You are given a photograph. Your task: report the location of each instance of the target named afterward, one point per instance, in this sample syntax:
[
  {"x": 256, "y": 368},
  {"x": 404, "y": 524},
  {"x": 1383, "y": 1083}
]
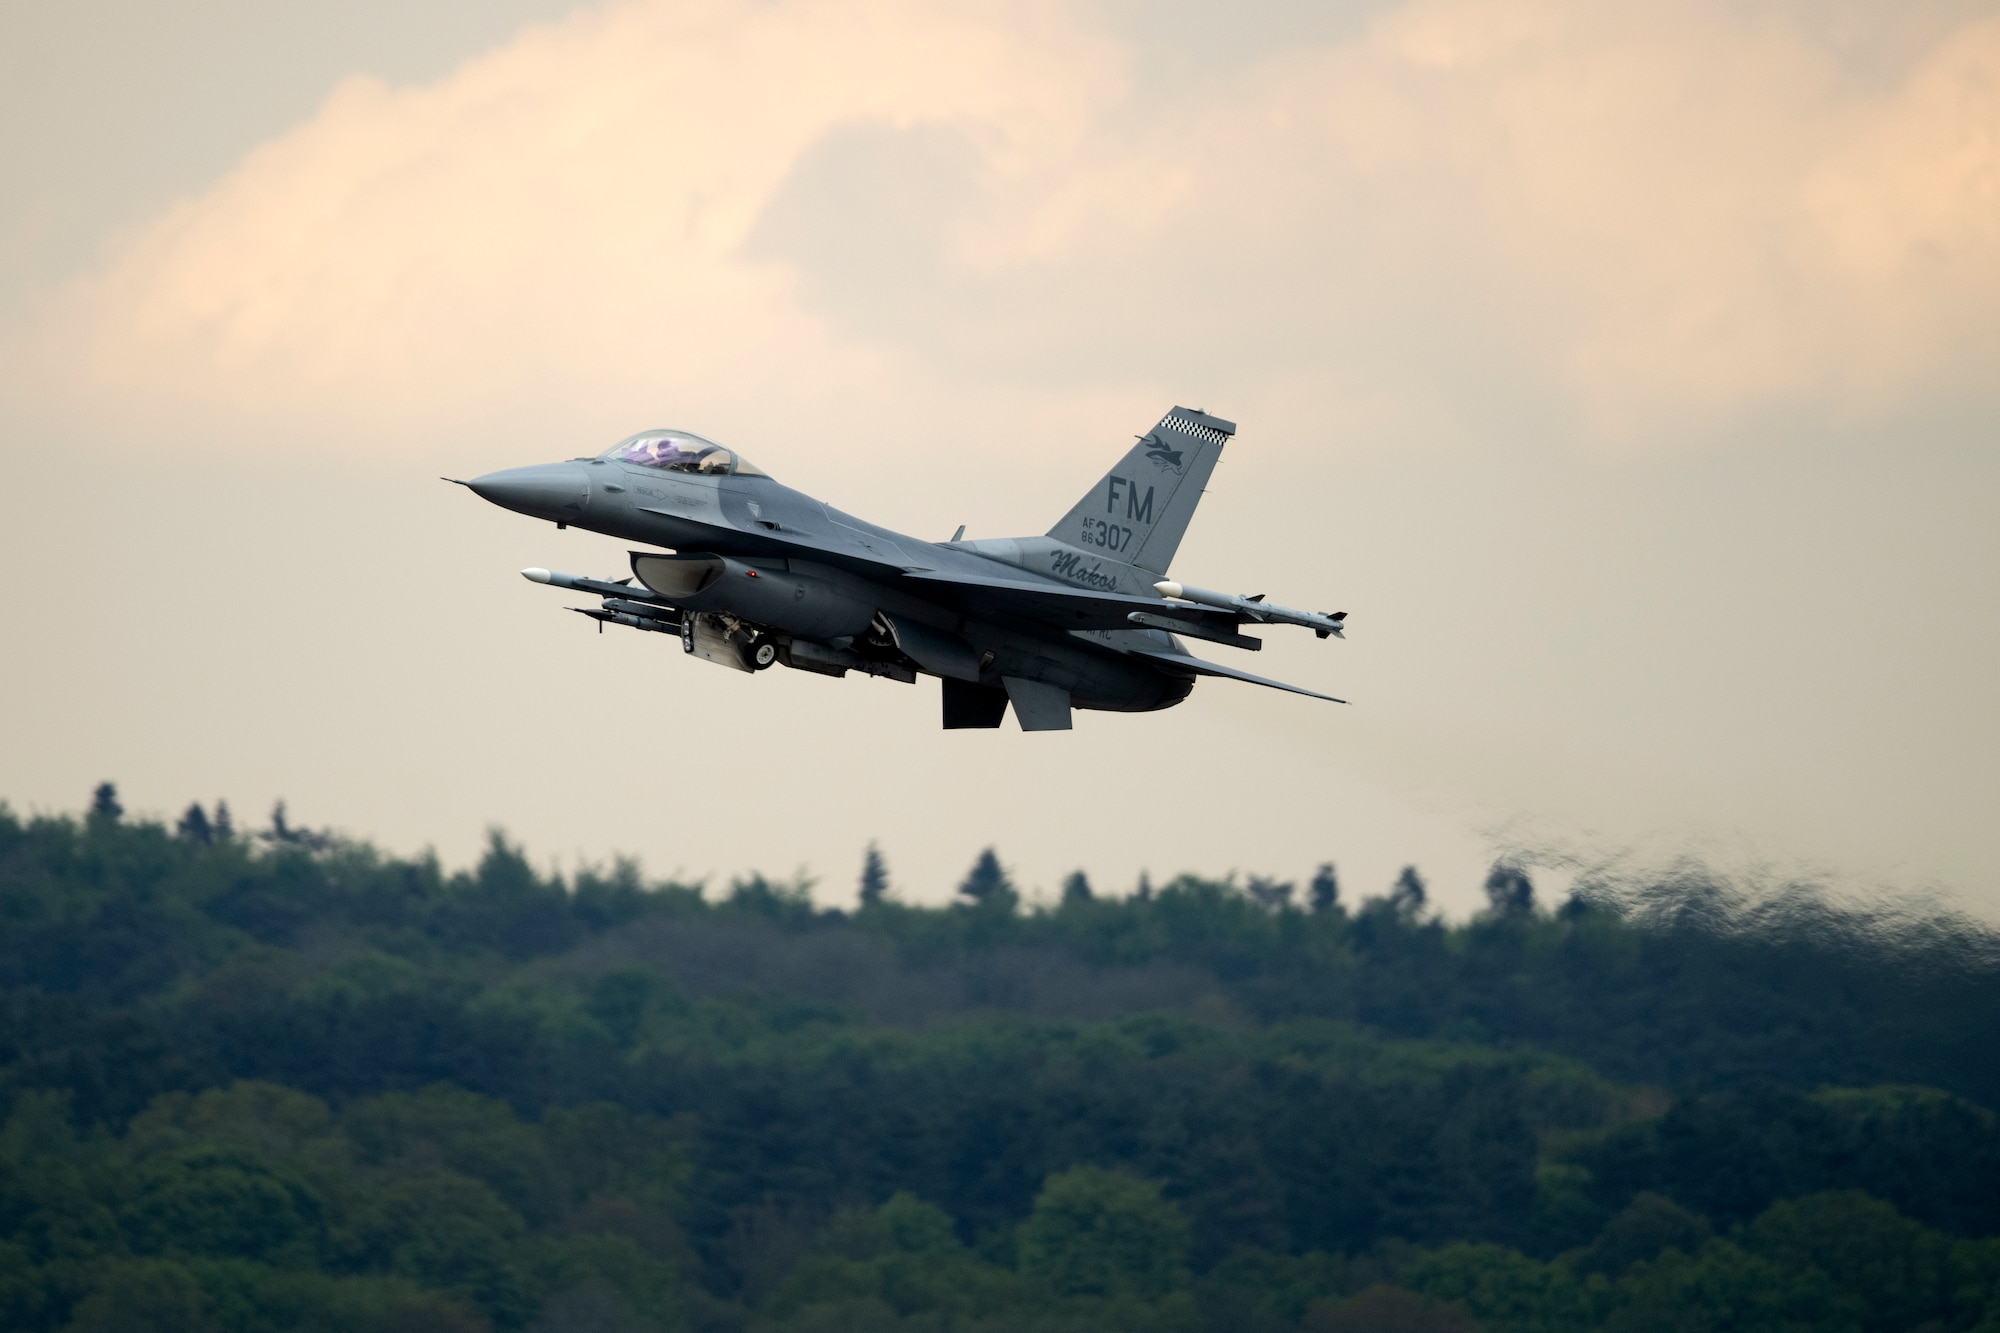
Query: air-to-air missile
[
  {"x": 623, "y": 605},
  {"x": 1255, "y": 608}
]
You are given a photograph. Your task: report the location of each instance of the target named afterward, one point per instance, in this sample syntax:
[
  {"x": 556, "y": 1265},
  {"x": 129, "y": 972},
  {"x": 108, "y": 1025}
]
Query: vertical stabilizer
[{"x": 1140, "y": 510}]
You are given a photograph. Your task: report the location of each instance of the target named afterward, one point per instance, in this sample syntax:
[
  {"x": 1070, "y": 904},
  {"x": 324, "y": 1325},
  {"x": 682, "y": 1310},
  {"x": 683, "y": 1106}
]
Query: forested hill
[{"x": 281, "y": 1080}]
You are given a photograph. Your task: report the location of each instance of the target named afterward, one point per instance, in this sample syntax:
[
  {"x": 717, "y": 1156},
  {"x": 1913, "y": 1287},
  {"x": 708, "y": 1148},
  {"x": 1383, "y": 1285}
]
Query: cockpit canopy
[{"x": 681, "y": 451}]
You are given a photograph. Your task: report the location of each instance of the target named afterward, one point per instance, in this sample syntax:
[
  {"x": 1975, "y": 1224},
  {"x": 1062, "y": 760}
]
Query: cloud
[
  {"x": 1622, "y": 223},
  {"x": 558, "y": 218}
]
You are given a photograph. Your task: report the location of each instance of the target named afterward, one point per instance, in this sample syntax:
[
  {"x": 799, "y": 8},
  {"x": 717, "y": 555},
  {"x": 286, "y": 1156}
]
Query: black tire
[{"x": 763, "y": 652}]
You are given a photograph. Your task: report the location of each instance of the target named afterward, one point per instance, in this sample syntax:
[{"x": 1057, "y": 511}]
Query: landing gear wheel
[{"x": 763, "y": 652}]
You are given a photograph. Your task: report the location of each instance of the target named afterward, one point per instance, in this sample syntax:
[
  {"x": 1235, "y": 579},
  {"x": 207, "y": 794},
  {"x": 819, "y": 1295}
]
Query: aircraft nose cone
[{"x": 548, "y": 490}]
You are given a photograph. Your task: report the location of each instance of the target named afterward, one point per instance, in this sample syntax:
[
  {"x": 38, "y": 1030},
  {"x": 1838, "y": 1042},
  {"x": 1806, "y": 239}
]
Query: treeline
[
  {"x": 258, "y": 1207},
  {"x": 280, "y": 1080}
]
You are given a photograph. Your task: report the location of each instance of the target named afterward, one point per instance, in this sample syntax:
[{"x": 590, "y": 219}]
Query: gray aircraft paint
[
  {"x": 762, "y": 574},
  {"x": 1139, "y": 510},
  {"x": 1038, "y": 706}
]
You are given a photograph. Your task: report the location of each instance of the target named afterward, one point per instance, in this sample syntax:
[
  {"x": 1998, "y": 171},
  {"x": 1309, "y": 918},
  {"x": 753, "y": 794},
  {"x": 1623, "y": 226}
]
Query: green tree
[
  {"x": 455, "y": 1236},
  {"x": 1896, "y": 1268},
  {"x": 620, "y": 999},
  {"x": 478, "y": 1137},
  {"x": 787, "y": 902},
  {"x": 1723, "y": 1287},
  {"x": 902, "y": 1259},
  {"x": 987, "y": 883},
  {"x": 1255, "y": 1291},
  {"x": 1505, "y": 1290},
  {"x": 1408, "y": 894},
  {"x": 1323, "y": 894},
  {"x": 194, "y": 825},
  {"x": 874, "y": 877},
  {"x": 1975, "y": 1282},
  {"x": 221, "y": 1204},
  {"x": 104, "y": 806},
  {"x": 1649, "y": 1224},
  {"x": 1104, "y": 1233},
  {"x": 147, "y": 1296},
  {"x": 1509, "y": 891}
]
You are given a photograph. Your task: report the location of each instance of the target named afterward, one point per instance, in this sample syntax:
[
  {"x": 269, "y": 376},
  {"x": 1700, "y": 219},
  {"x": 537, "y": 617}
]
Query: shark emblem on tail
[{"x": 1159, "y": 452}]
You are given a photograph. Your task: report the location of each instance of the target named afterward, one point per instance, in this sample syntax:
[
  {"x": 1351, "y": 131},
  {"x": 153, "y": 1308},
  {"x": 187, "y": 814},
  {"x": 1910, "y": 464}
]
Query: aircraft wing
[
  {"x": 1064, "y": 608},
  {"x": 1200, "y": 668}
]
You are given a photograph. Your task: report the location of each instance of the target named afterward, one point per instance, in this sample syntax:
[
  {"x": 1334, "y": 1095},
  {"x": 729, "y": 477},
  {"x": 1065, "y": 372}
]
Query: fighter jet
[{"x": 754, "y": 573}]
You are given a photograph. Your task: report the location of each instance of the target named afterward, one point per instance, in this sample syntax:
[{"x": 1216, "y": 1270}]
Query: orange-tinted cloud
[{"x": 1644, "y": 220}]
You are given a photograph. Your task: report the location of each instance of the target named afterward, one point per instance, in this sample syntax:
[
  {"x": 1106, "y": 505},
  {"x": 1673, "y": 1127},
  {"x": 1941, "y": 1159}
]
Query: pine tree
[
  {"x": 225, "y": 825},
  {"x": 987, "y": 883},
  {"x": 874, "y": 877},
  {"x": 1408, "y": 895},
  {"x": 1324, "y": 892},
  {"x": 104, "y": 803},
  {"x": 1076, "y": 889},
  {"x": 1144, "y": 892},
  {"x": 194, "y": 825}
]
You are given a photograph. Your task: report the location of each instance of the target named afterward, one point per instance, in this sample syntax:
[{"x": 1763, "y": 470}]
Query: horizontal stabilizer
[{"x": 1200, "y": 668}]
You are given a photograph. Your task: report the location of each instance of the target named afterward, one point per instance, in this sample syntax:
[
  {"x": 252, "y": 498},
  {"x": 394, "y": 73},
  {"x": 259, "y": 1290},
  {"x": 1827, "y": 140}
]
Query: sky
[{"x": 1626, "y": 374}]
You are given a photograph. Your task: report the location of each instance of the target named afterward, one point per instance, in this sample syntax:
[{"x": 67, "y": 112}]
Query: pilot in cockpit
[{"x": 679, "y": 451}]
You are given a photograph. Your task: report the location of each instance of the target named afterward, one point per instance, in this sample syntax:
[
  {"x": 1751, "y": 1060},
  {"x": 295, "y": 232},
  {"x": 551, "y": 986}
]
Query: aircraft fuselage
[{"x": 761, "y": 574}]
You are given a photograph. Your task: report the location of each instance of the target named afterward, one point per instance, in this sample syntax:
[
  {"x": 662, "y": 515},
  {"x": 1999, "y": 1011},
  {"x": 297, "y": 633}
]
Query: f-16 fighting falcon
[{"x": 1083, "y": 617}]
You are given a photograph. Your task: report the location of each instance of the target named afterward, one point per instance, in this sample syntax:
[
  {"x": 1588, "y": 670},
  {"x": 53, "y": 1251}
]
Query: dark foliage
[
  {"x": 247, "y": 1076},
  {"x": 1324, "y": 892},
  {"x": 987, "y": 882},
  {"x": 1508, "y": 889},
  {"x": 874, "y": 886}
]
